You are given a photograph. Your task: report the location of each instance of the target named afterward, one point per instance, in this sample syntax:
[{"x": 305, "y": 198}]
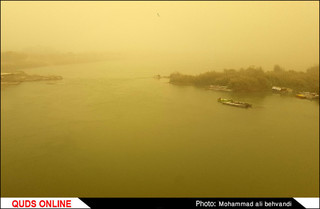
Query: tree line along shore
[
  {"x": 253, "y": 79},
  {"x": 15, "y": 78}
]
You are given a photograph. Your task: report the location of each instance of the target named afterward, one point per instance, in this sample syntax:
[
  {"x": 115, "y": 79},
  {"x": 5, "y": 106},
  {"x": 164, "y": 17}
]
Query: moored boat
[
  {"x": 301, "y": 96},
  {"x": 307, "y": 95},
  {"x": 281, "y": 90}
]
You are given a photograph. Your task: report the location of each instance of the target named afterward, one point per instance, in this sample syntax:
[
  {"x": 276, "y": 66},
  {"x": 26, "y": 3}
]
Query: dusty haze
[
  {"x": 214, "y": 34},
  {"x": 105, "y": 114}
]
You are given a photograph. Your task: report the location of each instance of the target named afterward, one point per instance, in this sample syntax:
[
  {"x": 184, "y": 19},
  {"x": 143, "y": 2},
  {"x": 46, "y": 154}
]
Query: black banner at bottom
[{"x": 164, "y": 203}]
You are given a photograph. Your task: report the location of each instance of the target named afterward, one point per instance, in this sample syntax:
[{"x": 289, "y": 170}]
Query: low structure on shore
[
  {"x": 159, "y": 76},
  {"x": 219, "y": 88}
]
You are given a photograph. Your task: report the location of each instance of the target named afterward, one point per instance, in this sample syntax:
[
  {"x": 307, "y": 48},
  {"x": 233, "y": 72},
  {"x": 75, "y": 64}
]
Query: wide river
[{"x": 109, "y": 129}]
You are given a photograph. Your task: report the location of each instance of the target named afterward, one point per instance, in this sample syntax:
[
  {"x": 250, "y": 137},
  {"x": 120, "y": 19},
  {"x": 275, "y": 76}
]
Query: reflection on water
[{"x": 109, "y": 129}]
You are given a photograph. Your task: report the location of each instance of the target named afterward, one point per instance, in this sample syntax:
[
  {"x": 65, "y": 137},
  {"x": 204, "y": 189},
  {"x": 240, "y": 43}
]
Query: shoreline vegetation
[
  {"x": 253, "y": 79},
  {"x": 16, "y": 78}
]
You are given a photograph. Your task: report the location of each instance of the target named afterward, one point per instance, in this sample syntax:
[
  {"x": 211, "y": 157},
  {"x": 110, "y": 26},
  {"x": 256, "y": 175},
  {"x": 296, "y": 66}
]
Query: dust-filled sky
[{"x": 230, "y": 34}]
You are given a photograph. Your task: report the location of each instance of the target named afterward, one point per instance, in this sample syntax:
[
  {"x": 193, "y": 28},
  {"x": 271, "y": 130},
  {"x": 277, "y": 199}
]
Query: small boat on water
[
  {"x": 301, "y": 96},
  {"x": 307, "y": 95},
  {"x": 281, "y": 90},
  {"x": 234, "y": 103}
]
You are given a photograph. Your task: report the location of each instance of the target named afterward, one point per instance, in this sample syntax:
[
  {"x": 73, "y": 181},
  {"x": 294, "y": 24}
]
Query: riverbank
[
  {"x": 16, "y": 78},
  {"x": 253, "y": 79}
]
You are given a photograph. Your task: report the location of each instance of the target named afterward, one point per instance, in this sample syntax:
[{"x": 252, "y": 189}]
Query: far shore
[
  {"x": 253, "y": 79},
  {"x": 13, "y": 60},
  {"x": 16, "y": 78}
]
